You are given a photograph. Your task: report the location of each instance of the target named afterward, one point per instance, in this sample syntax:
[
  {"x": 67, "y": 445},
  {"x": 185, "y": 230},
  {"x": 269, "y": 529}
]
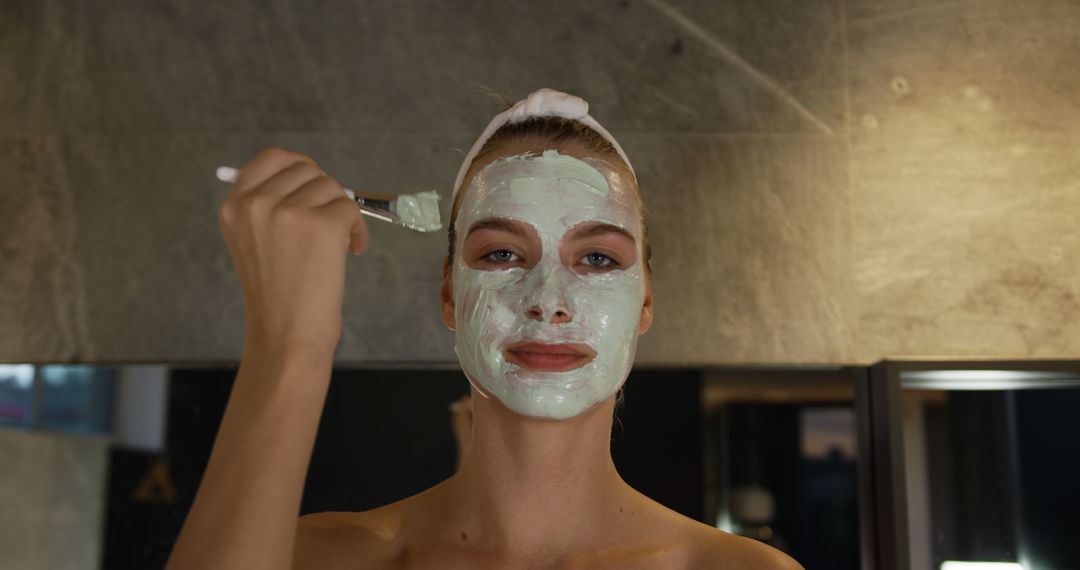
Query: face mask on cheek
[{"x": 495, "y": 309}]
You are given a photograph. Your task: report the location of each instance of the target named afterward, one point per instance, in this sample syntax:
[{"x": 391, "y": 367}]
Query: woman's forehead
[
  {"x": 551, "y": 188},
  {"x": 537, "y": 146}
]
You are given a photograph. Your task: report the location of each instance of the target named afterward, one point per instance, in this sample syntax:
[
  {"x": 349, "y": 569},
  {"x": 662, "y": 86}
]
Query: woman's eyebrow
[
  {"x": 498, "y": 224},
  {"x": 593, "y": 230}
]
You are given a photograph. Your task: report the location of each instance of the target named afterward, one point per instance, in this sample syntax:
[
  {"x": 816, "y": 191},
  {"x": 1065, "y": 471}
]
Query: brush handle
[{"x": 378, "y": 209}]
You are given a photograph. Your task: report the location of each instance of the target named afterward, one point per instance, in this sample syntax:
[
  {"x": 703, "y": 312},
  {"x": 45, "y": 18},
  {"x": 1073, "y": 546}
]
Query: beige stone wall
[
  {"x": 52, "y": 488},
  {"x": 831, "y": 181}
]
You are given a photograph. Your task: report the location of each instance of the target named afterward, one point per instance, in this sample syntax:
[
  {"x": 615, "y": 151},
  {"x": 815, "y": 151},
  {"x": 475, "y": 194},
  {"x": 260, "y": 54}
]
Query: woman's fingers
[
  {"x": 278, "y": 180},
  {"x": 289, "y": 227},
  {"x": 267, "y": 163},
  {"x": 291, "y": 179},
  {"x": 299, "y": 182},
  {"x": 314, "y": 192},
  {"x": 346, "y": 212}
]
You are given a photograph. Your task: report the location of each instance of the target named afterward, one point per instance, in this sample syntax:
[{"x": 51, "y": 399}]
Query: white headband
[{"x": 543, "y": 102}]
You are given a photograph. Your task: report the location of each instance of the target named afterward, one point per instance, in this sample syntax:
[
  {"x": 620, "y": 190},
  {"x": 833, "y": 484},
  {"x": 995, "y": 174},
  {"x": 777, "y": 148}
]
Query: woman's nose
[
  {"x": 546, "y": 299},
  {"x": 558, "y": 316}
]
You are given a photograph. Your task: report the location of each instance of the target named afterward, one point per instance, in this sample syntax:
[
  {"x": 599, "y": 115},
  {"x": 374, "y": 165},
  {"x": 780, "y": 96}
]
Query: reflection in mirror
[
  {"x": 102, "y": 463},
  {"x": 991, "y": 465},
  {"x": 72, "y": 399},
  {"x": 780, "y": 452},
  {"x": 57, "y": 422}
]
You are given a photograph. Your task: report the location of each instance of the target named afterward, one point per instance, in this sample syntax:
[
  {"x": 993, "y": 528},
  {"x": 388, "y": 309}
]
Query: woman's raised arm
[{"x": 289, "y": 229}]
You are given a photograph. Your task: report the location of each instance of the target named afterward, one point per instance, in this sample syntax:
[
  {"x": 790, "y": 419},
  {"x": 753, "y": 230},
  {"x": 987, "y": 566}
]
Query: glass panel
[
  {"x": 991, "y": 464},
  {"x": 16, "y": 394},
  {"x": 77, "y": 398},
  {"x": 781, "y": 452}
]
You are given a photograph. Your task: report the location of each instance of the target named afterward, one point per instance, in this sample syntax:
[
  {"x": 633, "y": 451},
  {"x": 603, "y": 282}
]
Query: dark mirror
[{"x": 991, "y": 464}]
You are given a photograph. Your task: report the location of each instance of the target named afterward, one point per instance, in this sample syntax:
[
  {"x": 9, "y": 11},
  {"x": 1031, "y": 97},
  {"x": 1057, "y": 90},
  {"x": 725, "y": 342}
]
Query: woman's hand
[{"x": 289, "y": 228}]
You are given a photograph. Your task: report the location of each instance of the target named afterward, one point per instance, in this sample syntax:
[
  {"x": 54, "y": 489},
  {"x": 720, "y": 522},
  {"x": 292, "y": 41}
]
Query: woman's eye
[
  {"x": 501, "y": 256},
  {"x": 597, "y": 260}
]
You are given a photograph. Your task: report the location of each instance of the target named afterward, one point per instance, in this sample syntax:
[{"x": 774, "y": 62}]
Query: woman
[{"x": 547, "y": 286}]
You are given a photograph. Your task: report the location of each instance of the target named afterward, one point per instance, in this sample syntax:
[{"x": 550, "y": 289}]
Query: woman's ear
[
  {"x": 646, "y": 308},
  {"x": 446, "y": 296}
]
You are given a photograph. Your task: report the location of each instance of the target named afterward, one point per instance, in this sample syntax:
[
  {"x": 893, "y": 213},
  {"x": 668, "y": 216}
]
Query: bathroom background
[{"x": 829, "y": 184}]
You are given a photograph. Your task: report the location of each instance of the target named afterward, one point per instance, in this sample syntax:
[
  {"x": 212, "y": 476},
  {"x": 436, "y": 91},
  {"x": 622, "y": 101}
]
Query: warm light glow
[
  {"x": 954, "y": 565},
  {"x": 724, "y": 522},
  {"x": 986, "y": 379},
  {"x": 21, "y": 374}
]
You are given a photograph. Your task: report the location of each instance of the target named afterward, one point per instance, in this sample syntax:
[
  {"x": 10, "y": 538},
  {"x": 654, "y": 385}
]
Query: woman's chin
[
  {"x": 553, "y": 404},
  {"x": 542, "y": 394}
]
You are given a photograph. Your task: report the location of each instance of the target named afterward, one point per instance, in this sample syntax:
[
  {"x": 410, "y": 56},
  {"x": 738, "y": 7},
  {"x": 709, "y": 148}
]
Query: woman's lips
[{"x": 549, "y": 357}]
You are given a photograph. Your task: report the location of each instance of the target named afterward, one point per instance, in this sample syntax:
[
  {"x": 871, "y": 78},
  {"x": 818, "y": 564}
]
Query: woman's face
[{"x": 549, "y": 287}]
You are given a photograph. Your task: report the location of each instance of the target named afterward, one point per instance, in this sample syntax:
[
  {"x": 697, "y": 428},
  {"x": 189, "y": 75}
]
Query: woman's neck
[{"x": 530, "y": 484}]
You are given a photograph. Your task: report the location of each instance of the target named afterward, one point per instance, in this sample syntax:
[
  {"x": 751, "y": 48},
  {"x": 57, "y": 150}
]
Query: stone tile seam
[
  {"x": 406, "y": 134},
  {"x": 754, "y": 74}
]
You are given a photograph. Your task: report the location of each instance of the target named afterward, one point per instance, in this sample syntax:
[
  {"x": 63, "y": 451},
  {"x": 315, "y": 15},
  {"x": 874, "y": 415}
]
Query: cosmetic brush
[{"x": 419, "y": 212}]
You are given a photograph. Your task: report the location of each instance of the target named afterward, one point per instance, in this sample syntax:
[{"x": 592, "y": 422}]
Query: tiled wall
[{"x": 830, "y": 181}]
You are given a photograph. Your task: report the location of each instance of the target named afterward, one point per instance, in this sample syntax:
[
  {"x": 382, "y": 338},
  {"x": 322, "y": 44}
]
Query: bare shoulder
[
  {"x": 708, "y": 548},
  {"x": 718, "y": 549},
  {"x": 380, "y": 522},
  {"x": 345, "y": 539}
]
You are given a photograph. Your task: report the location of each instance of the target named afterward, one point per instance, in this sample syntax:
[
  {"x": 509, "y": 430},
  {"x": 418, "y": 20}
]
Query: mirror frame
[{"x": 883, "y": 517}]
